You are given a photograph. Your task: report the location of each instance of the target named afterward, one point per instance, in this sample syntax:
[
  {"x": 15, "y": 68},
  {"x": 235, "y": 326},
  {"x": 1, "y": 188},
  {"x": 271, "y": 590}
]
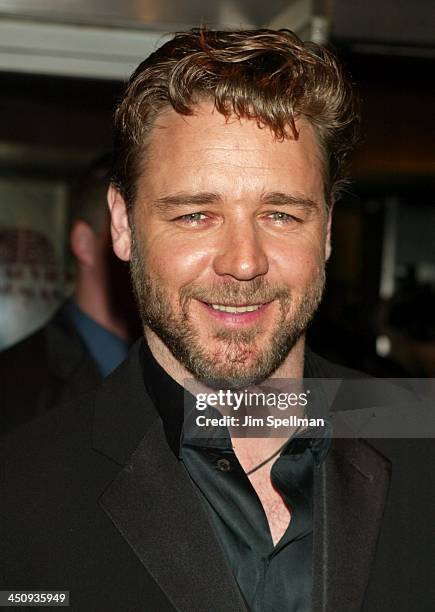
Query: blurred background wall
[{"x": 63, "y": 65}]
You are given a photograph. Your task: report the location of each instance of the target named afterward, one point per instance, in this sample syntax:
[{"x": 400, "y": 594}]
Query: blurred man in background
[{"x": 89, "y": 335}]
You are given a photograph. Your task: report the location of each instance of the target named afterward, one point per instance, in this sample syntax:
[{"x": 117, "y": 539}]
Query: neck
[{"x": 91, "y": 298}]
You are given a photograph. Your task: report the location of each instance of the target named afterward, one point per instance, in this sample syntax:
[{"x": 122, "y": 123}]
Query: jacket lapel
[
  {"x": 350, "y": 491},
  {"x": 153, "y": 503}
]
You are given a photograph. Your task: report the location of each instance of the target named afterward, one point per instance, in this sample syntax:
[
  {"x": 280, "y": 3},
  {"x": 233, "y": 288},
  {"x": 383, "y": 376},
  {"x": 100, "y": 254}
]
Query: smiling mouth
[{"x": 236, "y": 309}]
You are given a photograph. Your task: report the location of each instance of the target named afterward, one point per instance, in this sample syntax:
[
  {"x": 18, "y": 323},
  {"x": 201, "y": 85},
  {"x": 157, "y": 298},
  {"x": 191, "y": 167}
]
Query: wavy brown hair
[{"x": 269, "y": 76}]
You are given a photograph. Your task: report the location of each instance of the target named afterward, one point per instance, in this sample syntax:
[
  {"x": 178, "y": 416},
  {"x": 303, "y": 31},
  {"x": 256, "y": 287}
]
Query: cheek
[
  {"x": 178, "y": 263},
  {"x": 299, "y": 263}
]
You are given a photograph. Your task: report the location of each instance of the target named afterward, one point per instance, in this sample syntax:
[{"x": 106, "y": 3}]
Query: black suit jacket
[
  {"x": 94, "y": 501},
  {"x": 50, "y": 367}
]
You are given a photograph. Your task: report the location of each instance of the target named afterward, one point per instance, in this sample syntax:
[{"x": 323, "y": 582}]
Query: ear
[
  {"x": 328, "y": 247},
  {"x": 83, "y": 243},
  {"x": 120, "y": 227}
]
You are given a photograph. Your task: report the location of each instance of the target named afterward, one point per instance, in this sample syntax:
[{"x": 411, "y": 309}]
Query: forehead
[{"x": 206, "y": 150}]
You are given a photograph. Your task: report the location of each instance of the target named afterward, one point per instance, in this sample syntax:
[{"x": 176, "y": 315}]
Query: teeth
[{"x": 235, "y": 309}]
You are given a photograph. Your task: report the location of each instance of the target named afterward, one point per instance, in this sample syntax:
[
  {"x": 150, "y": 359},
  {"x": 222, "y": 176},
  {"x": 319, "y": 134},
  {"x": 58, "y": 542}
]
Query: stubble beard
[{"x": 235, "y": 360}]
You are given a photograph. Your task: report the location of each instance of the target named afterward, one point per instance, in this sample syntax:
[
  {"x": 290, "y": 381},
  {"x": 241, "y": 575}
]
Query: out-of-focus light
[{"x": 383, "y": 346}]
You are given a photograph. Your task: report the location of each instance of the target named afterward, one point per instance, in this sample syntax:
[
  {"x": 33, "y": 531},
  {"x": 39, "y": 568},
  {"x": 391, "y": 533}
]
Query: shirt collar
[
  {"x": 167, "y": 396},
  {"x": 106, "y": 348}
]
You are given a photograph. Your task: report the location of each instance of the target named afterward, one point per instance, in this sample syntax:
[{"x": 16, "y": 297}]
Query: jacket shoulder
[
  {"x": 33, "y": 346},
  {"x": 319, "y": 367},
  {"x": 49, "y": 367}
]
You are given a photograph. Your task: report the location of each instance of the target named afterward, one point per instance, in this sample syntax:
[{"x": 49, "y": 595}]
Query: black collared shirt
[{"x": 271, "y": 578}]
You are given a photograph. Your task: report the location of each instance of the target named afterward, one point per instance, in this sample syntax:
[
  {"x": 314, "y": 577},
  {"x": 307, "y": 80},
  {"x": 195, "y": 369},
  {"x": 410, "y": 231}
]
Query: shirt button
[{"x": 223, "y": 465}]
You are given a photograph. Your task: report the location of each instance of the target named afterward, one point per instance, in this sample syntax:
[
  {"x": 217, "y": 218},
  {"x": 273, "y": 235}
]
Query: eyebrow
[
  {"x": 273, "y": 198},
  {"x": 278, "y": 198},
  {"x": 169, "y": 202}
]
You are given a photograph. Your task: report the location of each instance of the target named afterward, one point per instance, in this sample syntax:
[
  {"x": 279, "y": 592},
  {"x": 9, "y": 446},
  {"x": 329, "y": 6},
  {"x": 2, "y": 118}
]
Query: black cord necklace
[
  {"x": 260, "y": 465},
  {"x": 274, "y": 454}
]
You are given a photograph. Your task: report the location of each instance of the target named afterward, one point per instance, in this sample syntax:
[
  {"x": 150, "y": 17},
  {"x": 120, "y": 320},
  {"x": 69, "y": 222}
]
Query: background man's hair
[
  {"x": 265, "y": 75},
  {"x": 87, "y": 198}
]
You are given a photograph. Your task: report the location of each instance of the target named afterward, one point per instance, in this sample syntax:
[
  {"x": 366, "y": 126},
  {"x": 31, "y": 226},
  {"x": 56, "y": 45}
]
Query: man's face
[{"x": 228, "y": 243}]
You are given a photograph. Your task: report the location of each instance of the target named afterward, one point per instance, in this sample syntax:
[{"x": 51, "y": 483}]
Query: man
[
  {"x": 230, "y": 150},
  {"x": 89, "y": 334}
]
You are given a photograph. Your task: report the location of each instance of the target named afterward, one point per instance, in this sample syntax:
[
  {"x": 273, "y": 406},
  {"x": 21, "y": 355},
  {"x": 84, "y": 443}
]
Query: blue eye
[
  {"x": 282, "y": 218},
  {"x": 192, "y": 219}
]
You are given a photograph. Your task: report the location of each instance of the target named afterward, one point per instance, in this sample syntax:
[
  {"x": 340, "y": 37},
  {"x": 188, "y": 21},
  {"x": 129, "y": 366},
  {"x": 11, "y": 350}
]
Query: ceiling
[
  {"x": 106, "y": 39},
  {"x": 159, "y": 14}
]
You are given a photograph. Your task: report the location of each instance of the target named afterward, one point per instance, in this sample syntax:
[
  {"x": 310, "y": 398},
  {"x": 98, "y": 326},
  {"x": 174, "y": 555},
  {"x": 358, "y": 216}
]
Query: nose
[{"x": 241, "y": 254}]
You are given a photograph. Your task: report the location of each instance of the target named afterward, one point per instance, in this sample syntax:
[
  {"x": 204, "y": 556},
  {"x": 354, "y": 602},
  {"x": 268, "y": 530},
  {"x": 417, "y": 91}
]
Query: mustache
[{"x": 257, "y": 291}]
